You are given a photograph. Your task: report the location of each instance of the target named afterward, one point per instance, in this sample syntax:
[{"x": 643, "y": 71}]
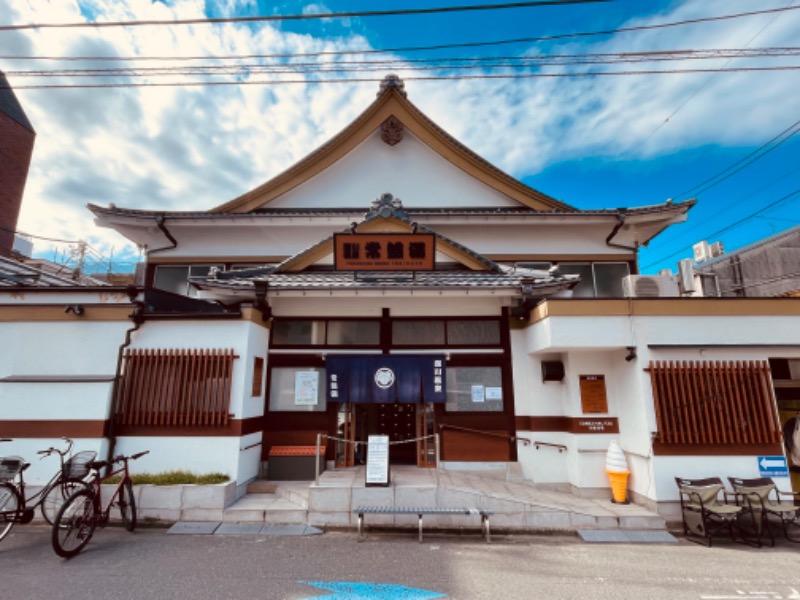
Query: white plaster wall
[
  {"x": 410, "y": 170},
  {"x": 42, "y": 469},
  {"x": 57, "y": 296},
  {"x": 200, "y": 455},
  {"x": 61, "y": 401},
  {"x": 257, "y": 346},
  {"x": 406, "y": 306},
  {"x": 60, "y": 348}
]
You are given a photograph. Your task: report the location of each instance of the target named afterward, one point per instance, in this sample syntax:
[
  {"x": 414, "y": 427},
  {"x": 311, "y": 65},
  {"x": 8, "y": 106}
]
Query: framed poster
[
  {"x": 593, "y": 394},
  {"x": 306, "y": 388}
]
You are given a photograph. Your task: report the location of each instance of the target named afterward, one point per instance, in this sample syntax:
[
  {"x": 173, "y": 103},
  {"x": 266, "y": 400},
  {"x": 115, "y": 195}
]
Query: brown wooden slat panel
[
  {"x": 726, "y": 403},
  {"x": 175, "y": 388}
]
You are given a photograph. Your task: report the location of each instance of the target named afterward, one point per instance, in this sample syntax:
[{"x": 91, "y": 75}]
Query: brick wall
[{"x": 16, "y": 148}]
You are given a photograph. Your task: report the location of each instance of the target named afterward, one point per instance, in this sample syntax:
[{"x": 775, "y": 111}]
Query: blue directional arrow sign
[
  {"x": 773, "y": 466},
  {"x": 346, "y": 590}
]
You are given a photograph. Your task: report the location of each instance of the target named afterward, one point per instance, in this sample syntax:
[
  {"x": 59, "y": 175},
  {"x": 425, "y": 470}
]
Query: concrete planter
[{"x": 171, "y": 503}]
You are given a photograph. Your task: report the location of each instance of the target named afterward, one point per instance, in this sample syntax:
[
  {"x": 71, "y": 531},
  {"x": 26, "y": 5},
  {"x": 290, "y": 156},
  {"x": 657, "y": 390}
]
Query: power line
[
  {"x": 744, "y": 162},
  {"x": 303, "y": 17},
  {"x": 526, "y": 40},
  {"x": 731, "y": 226},
  {"x": 427, "y": 63},
  {"x": 405, "y": 78},
  {"x": 707, "y": 82}
]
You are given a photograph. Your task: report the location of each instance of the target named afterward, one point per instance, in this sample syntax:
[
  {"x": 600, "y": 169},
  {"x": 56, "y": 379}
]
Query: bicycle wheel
[
  {"x": 57, "y": 495},
  {"x": 74, "y": 524},
  {"x": 127, "y": 506},
  {"x": 9, "y": 508}
]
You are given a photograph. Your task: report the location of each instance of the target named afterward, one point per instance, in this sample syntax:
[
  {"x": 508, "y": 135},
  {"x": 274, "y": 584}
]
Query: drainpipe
[
  {"x": 160, "y": 220},
  {"x": 621, "y": 212},
  {"x": 137, "y": 316}
]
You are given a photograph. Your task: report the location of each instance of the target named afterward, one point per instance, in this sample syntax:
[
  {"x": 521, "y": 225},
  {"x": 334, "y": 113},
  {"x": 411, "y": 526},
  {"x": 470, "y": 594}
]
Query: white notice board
[{"x": 377, "y": 472}]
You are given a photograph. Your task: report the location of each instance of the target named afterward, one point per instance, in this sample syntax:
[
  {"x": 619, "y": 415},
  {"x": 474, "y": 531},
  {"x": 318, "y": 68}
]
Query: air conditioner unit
[
  {"x": 716, "y": 249},
  {"x": 702, "y": 251},
  {"x": 649, "y": 286}
]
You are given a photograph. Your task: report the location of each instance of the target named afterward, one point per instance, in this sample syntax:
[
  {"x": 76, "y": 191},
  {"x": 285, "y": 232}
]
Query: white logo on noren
[{"x": 384, "y": 378}]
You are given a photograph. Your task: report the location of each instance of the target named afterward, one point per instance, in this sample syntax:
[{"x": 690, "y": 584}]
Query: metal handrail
[
  {"x": 561, "y": 447},
  {"x": 511, "y": 438}
]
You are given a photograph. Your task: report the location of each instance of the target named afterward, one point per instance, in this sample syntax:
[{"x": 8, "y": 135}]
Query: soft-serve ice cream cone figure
[{"x": 618, "y": 472}]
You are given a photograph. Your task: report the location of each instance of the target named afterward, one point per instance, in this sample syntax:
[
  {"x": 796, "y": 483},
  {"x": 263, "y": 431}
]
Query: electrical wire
[
  {"x": 525, "y": 40},
  {"x": 302, "y": 17},
  {"x": 405, "y": 78},
  {"x": 744, "y": 162},
  {"x": 422, "y": 63},
  {"x": 729, "y": 227}
]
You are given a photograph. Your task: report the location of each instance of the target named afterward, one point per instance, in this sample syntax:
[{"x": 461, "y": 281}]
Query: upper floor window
[
  {"x": 175, "y": 279},
  {"x": 598, "y": 280}
]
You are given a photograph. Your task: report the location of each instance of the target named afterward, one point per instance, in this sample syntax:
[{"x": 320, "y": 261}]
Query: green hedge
[{"x": 174, "y": 478}]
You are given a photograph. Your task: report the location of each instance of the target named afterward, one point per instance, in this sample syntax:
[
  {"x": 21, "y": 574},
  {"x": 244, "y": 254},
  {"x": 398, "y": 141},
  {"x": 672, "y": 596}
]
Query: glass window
[
  {"x": 608, "y": 279},
  {"x": 585, "y": 289},
  {"x": 418, "y": 333},
  {"x": 475, "y": 333},
  {"x": 354, "y": 333},
  {"x": 171, "y": 279},
  {"x": 298, "y": 333},
  {"x": 297, "y": 389},
  {"x": 474, "y": 389}
]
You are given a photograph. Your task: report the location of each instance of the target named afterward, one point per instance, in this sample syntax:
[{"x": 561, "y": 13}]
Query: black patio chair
[
  {"x": 707, "y": 512},
  {"x": 770, "y": 505}
]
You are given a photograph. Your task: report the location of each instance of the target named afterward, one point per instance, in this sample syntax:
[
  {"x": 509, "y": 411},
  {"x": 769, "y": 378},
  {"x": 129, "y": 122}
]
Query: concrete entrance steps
[
  {"x": 517, "y": 505},
  {"x": 272, "y": 502}
]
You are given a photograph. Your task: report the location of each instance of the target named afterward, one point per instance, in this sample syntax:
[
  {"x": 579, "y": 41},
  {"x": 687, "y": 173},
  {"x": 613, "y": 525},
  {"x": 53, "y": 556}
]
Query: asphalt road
[{"x": 151, "y": 564}]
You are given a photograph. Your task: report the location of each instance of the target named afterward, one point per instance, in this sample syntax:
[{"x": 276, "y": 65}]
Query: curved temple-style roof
[{"x": 391, "y": 102}]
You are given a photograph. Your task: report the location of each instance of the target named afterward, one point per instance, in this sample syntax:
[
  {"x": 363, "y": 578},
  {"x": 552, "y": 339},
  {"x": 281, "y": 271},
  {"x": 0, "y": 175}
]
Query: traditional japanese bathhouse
[{"x": 394, "y": 273}]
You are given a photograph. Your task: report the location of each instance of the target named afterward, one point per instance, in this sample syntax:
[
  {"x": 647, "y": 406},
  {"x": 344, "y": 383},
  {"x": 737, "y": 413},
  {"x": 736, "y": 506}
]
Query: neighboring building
[
  {"x": 393, "y": 282},
  {"x": 16, "y": 148},
  {"x": 767, "y": 268}
]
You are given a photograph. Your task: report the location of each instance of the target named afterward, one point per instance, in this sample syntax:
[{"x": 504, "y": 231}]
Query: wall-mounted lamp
[
  {"x": 631, "y": 353},
  {"x": 74, "y": 308}
]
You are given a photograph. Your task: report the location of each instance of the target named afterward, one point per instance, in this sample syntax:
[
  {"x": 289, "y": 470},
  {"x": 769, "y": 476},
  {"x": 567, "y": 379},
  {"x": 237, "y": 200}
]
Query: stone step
[
  {"x": 261, "y": 486},
  {"x": 264, "y": 508}
]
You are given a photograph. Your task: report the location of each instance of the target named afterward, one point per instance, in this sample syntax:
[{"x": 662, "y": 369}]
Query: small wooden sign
[
  {"x": 384, "y": 251},
  {"x": 593, "y": 394}
]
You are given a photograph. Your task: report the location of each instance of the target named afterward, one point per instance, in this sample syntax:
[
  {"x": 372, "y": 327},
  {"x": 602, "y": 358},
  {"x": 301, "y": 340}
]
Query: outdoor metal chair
[
  {"x": 706, "y": 511},
  {"x": 770, "y": 505}
]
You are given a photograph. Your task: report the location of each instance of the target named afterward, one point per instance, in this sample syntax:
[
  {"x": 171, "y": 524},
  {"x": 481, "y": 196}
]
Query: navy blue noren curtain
[{"x": 386, "y": 378}]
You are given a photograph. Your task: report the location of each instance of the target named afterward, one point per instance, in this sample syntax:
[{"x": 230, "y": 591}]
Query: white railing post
[
  {"x": 436, "y": 444},
  {"x": 316, "y": 460}
]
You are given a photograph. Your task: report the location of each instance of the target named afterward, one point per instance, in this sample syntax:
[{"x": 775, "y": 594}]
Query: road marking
[{"x": 346, "y": 590}]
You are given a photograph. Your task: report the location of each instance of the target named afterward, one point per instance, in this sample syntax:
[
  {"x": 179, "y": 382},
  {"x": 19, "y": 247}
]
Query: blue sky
[{"x": 592, "y": 142}]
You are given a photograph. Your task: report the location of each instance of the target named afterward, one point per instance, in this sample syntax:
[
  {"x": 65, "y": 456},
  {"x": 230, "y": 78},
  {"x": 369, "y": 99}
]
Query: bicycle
[
  {"x": 15, "y": 507},
  {"x": 83, "y": 511}
]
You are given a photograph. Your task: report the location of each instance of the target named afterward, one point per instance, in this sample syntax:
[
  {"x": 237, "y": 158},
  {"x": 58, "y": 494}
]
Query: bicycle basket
[
  {"x": 10, "y": 466},
  {"x": 76, "y": 467}
]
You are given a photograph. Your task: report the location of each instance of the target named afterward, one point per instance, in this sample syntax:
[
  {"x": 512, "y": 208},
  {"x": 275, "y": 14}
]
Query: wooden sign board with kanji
[
  {"x": 384, "y": 251},
  {"x": 593, "y": 394}
]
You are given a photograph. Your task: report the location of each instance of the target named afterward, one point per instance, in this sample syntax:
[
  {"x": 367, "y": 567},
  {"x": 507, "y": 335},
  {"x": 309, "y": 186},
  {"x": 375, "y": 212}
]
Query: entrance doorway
[{"x": 409, "y": 428}]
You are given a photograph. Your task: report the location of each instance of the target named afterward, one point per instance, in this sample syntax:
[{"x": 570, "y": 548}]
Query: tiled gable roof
[{"x": 10, "y": 106}]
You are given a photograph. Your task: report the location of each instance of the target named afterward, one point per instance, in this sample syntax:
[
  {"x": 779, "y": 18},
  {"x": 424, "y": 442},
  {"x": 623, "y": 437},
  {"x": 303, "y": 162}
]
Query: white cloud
[{"x": 192, "y": 148}]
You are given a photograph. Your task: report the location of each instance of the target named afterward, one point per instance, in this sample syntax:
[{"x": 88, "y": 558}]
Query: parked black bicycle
[
  {"x": 15, "y": 507},
  {"x": 85, "y": 510}
]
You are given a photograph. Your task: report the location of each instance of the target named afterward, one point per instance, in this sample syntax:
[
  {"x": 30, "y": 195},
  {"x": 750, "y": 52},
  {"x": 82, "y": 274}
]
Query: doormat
[{"x": 627, "y": 536}]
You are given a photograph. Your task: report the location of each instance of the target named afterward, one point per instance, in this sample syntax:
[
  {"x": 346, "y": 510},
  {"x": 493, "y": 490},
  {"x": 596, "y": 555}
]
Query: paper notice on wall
[
  {"x": 478, "y": 393},
  {"x": 494, "y": 393},
  {"x": 306, "y": 388}
]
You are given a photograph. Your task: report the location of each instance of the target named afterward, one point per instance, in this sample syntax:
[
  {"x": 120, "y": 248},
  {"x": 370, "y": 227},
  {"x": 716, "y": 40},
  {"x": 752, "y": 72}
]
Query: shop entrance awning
[{"x": 385, "y": 378}]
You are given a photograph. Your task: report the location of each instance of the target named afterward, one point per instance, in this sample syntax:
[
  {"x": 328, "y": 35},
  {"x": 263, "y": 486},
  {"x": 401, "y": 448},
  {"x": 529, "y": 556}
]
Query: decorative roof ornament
[
  {"x": 392, "y": 81},
  {"x": 392, "y": 131},
  {"x": 387, "y": 206}
]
